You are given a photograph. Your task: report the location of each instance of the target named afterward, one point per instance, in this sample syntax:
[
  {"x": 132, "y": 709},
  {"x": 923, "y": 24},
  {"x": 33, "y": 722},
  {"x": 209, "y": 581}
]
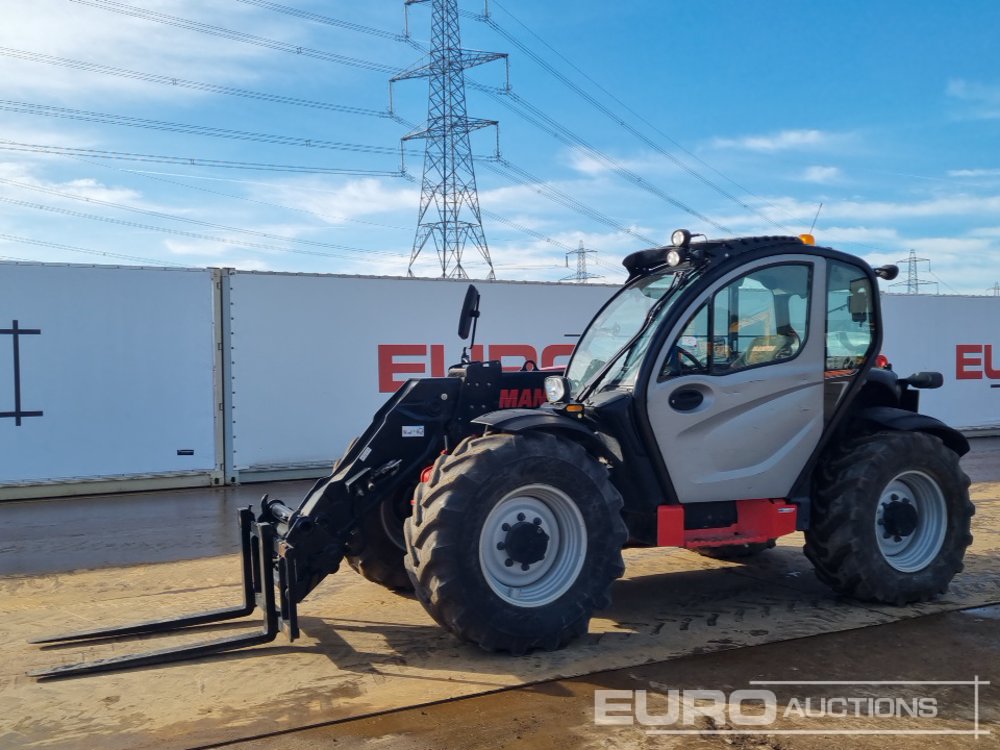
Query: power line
[
  {"x": 256, "y": 201},
  {"x": 175, "y": 82},
  {"x": 518, "y": 174},
  {"x": 538, "y": 118},
  {"x": 489, "y": 214},
  {"x": 186, "y": 160},
  {"x": 526, "y": 230},
  {"x": 174, "y": 127},
  {"x": 620, "y": 121},
  {"x": 160, "y": 215},
  {"x": 942, "y": 283},
  {"x": 327, "y": 20},
  {"x": 549, "y": 192},
  {"x": 74, "y": 249},
  {"x": 182, "y": 233},
  {"x": 236, "y": 36}
]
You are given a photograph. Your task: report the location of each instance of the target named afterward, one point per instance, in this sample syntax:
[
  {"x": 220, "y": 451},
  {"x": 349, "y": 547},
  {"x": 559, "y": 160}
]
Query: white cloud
[
  {"x": 974, "y": 173},
  {"x": 586, "y": 163},
  {"x": 983, "y": 99},
  {"x": 784, "y": 140},
  {"x": 860, "y": 234},
  {"x": 80, "y": 32},
  {"x": 338, "y": 203},
  {"x": 788, "y": 210},
  {"x": 948, "y": 205},
  {"x": 821, "y": 175}
]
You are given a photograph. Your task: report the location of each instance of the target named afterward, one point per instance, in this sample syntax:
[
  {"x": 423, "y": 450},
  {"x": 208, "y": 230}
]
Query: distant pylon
[
  {"x": 582, "y": 274},
  {"x": 913, "y": 281},
  {"x": 449, "y": 202},
  {"x": 995, "y": 289}
]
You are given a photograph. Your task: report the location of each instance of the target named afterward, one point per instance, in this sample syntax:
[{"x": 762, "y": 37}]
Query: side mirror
[
  {"x": 470, "y": 311},
  {"x": 887, "y": 272}
]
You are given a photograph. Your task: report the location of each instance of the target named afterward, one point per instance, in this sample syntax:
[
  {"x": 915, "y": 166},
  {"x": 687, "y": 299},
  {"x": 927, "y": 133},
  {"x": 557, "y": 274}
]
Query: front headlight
[{"x": 555, "y": 389}]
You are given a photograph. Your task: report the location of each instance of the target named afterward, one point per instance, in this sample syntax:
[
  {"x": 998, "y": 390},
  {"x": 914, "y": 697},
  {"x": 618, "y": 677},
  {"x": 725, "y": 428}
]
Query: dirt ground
[
  {"x": 563, "y": 712},
  {"x": 373, "y": 671}
]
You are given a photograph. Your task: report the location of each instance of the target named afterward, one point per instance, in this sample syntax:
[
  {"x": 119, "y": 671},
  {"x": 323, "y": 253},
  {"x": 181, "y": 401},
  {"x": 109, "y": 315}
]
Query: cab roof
[{"x": 644, "y": 261}]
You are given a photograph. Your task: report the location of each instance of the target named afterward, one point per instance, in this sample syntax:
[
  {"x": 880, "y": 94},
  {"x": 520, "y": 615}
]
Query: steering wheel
[
  {"x": 791, "y": 346},
  {"x": 683, "y": 353}
]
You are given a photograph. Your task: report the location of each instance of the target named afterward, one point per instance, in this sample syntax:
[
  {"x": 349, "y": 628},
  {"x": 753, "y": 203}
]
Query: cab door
[{"x": 736, "y": 397}]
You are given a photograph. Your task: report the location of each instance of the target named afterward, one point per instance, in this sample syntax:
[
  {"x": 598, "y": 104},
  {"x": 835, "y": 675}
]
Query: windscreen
[{"x": 616, "y": 325}]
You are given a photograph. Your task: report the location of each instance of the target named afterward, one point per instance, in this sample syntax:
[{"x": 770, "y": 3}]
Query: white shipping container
[
  {"x": 126, "y": 373},
  {"x": 313, "y": 357},
  {"x": 956, "y": 336},
  {"x": 113, "y": 372}
]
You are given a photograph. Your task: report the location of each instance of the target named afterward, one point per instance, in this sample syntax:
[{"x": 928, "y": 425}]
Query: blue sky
[{"x": 750, "y": 114}]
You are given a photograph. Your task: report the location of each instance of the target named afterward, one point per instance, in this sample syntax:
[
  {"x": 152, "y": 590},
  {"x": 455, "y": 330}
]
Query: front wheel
[
  {"x": 515, "y": 540},
  {"x": 890, "y": 518}
]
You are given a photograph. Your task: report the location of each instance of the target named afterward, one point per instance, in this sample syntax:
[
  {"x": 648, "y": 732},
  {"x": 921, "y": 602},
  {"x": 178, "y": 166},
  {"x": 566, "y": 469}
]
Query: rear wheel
[
  {"x": 376, "y": 550},
  {"x": 890, "y": 518},
  {"x": 515, "y": 540}
]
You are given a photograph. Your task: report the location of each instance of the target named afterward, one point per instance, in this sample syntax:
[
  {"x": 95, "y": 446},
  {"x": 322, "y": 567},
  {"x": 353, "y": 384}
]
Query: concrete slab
[{"x": 365, "y": 650}]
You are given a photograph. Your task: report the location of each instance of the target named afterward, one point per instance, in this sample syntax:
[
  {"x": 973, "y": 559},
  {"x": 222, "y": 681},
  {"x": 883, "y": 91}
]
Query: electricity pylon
[
  {"x": 582, "y": 274},
  {"x": 449, "y": 202},
  {"x": 913, "y": 281}
]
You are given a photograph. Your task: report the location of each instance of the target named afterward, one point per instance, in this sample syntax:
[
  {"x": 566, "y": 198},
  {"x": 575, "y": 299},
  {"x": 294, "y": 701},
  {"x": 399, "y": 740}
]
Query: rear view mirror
[
  {"x": 858, "y": 302},
  {"x": 470, "y": 311}
]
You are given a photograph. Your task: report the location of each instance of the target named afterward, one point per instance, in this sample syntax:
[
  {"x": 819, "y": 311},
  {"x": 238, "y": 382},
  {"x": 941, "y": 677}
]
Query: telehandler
[{"x": 728, "y": 394}]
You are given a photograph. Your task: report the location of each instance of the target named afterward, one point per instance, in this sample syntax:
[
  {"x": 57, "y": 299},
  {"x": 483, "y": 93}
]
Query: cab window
[
  {"x": 758, "y": 319},
  {"x": 849, "y": 323}
]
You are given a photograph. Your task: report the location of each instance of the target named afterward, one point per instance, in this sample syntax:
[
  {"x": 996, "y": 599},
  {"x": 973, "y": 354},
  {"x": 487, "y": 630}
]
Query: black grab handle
[{"x": 686, "y": 400}]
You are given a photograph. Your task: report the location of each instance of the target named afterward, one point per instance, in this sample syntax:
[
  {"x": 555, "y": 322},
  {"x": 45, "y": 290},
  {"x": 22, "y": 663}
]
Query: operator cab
[{"x": 746, "y": 346}]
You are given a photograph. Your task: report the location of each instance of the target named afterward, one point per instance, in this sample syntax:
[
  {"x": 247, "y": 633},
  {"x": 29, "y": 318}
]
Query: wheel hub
[
  {"x": 899, "y": 519},
  {"x": 526, "y": 542},
  {"x": 532, "y": 545},
  {"x": 911, "y": 520}
]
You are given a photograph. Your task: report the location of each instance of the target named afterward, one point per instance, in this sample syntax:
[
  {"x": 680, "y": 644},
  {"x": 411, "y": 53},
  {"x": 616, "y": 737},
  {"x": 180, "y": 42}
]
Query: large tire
[
  {"x": 537, "y": 498},
  {"x": 890, "y": 518},
  {"x": 736, "y": 551},
  {"x": 376, "y": 550}
]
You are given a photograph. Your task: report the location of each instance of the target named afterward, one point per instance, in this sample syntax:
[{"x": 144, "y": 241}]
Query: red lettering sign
[
  {"x": 993, "y": 373},
  {"x": 972, "y": 361},
  {"x": 523, "y": 352},
  {"x": 550, "y": 353},
  {"x": 389, "y": 367},
  {"x": 398, "y": 362},
  {"x": 526, "y": 398}
]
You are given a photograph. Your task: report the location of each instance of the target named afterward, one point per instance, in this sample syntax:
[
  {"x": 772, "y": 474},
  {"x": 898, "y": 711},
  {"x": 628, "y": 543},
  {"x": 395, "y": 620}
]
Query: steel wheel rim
[
  {"x": 552, "y": 576},
  {"x": 912, "y": 552}
]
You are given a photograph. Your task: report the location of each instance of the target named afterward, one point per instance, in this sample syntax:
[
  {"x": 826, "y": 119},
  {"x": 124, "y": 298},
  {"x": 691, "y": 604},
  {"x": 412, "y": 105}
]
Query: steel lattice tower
[
  {"x": 449, "y": 202},
  {"x": 913, "y": 281},
  {"x": 582, "y": 274}
]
